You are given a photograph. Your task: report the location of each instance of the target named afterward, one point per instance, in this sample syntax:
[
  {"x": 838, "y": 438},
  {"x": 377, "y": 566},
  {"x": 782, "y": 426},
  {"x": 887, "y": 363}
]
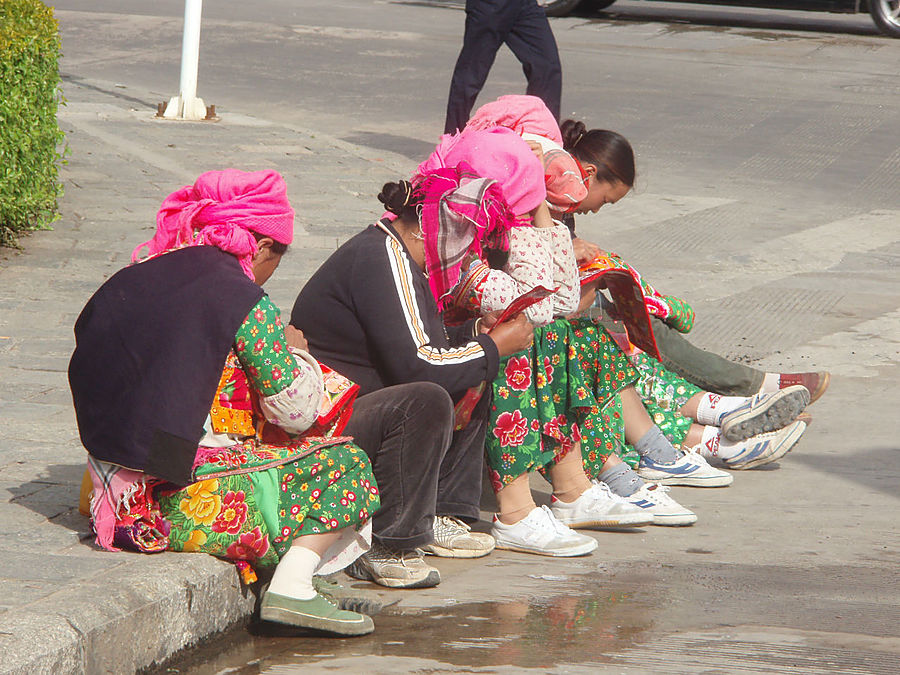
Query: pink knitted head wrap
[
  {"x": 224, "y": 209},
  {"x": 497, "y": 153}
]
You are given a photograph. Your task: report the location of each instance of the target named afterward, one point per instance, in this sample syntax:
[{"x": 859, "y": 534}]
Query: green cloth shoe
[{"x": 318, "y": 613}]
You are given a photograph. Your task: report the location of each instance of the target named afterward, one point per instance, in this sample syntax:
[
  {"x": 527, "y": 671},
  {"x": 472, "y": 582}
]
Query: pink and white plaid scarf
[{"x": 461, "y": 212}]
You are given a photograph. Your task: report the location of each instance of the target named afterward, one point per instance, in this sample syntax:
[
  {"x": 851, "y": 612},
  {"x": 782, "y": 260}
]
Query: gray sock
[
  {"x": 653, "y": 445},
  {"x": 622, "y": 480}
]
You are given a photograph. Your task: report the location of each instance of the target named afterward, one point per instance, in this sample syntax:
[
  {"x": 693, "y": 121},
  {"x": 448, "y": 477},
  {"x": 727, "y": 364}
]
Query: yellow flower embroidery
[
  {"x": 202, "y": 504},
  {"x": 195, "y": 541}
]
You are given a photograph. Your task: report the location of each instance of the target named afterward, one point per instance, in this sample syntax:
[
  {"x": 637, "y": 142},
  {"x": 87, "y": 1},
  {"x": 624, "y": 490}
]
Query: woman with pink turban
[{"x": 209, "y": 427}]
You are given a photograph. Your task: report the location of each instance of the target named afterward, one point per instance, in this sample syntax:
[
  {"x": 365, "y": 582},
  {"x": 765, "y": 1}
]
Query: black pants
[
  {"x": 523, "y": 26},
  {"x": 422, "y": 466}
]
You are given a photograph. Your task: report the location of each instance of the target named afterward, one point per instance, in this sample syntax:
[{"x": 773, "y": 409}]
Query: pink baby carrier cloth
[{"x": 533, "y": 121}]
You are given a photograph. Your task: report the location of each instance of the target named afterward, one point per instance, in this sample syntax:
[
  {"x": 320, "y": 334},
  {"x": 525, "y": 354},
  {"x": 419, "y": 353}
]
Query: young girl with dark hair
[{"x": 755, "y": 429}]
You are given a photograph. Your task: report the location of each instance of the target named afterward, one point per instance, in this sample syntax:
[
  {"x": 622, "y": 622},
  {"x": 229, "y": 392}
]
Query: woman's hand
[
  {"x": 513, "y": 336},
  {"x": 295, "y": 339},
  {"x": 537, "y": 150},
  {"x": 585, "y": 251},
  {"x": 487, "y": 321}
]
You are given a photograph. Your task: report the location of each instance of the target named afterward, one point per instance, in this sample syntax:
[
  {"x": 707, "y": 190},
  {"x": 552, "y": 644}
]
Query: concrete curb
[{"x": 101, "y": 626}]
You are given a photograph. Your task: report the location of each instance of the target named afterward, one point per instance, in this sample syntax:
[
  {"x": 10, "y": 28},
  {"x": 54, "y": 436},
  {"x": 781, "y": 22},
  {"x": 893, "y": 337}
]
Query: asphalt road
[{"x": 769, "y": 161}]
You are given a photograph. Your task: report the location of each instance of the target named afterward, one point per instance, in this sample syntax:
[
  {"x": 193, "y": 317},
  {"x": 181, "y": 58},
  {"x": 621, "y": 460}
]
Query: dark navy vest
[{"x": 150, "y": 347}]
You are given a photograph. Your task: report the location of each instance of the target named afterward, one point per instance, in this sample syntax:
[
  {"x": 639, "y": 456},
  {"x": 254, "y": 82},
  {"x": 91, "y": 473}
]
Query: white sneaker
[
  {"x": 654, "y": 499},
  {"x": 539, "y": 532},
  {"x": 454, "y": 539},
  {"x": 599, "y": 507},
  {"x": 690, "y": 469},
  {"x": 768, "y": 447},
  {"x": 764, "y": 413}
]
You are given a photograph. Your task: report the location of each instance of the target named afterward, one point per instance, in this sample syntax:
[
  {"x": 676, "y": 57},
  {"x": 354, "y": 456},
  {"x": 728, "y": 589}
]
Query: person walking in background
[{"x": 523, "y": 26}]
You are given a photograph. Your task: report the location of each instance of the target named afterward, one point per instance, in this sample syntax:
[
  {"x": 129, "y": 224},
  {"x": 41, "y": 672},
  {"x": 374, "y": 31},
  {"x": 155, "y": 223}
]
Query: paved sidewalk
[{"x": 67, "y": 606}]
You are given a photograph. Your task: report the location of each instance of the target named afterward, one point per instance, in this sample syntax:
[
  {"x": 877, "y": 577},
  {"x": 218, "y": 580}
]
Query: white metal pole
[
  {"x": 190, "y": 48},
  {"x": 186, "y": 105}
]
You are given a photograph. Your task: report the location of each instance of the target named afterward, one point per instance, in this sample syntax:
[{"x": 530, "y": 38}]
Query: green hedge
[{"x": 30, "y": 139}]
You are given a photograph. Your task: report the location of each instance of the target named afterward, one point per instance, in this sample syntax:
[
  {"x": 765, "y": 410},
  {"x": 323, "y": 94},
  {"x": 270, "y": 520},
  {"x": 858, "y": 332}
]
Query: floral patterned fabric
[
  {"x": 535, "y": 398},
  {"x": 663, "y": 393},
  {"x": 674, "y": 311},
  {"x": 262, "y": 349},
  {"x": 253, "y": 515},
  {"x": 607, "y": 371},
  {"x": 253, "y": 498}
]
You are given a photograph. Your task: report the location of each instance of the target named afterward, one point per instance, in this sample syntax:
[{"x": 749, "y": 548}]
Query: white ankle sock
[
  {"x": 294, "y": 573},
  {"x": 713, "y": 446},
  {"x": 713, "y": 407},
  {"x": 771, "y": 383}
]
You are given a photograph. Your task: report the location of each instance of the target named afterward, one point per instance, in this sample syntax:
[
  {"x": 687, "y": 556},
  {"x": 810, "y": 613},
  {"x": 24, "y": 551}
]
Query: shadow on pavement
[
  {"x": 765, "y": 27},
  {"x": 875, "y": 468},
  {"x": 54, "y": 495}
]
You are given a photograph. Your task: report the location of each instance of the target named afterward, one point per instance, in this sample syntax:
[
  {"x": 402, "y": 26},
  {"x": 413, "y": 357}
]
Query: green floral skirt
[
  {"x": 607, "y": 371},
  {"x": 250, "y": 502},
  {"x": 663, "y": 393},
  {"x": 536, "y": 396}
]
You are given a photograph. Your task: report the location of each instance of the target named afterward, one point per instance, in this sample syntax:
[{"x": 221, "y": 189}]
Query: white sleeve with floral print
[
  {"x": 537, "y": 257},
  {"x": 294, "y": 407}
]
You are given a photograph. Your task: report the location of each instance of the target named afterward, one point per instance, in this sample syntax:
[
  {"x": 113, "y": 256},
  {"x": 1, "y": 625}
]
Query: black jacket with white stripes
[{"x": 369, "y": 314}]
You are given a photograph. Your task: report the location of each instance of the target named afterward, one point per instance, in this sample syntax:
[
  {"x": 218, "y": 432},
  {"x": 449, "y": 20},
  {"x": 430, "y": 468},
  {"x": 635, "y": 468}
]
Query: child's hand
[{"x": 585, "y": 251}]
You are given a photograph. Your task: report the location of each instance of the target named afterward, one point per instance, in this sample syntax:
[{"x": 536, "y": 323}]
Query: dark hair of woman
[
  {"x": 400, "y": 199},
  {"x": 495, "y": 258},
  {"x": 277, "y": 247},
  {"x": 610, "y": 152}
]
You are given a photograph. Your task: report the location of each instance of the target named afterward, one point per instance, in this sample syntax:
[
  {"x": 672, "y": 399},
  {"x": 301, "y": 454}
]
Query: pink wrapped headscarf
[
  {"x": 496, "y": 153},
  {"x": 529, "y": 117},
  {"x": 224, "y": 209},
  {"x": 522, "y": 113}
]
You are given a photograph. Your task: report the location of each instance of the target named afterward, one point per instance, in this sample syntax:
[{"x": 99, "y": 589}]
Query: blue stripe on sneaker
[
  {"x": 683, "y": 470},
  {"x": 754, "y": 452}
]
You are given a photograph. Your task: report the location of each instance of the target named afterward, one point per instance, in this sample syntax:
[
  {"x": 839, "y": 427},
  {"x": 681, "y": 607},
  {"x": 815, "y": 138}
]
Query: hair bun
[
  {"x": 571, "y": 132},
  {"x": 396, "y": 196}
]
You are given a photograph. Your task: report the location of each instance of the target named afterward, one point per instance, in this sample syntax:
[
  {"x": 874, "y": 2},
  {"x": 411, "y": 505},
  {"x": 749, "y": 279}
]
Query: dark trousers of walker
[
  {"x": 523, "y": 26},
  {"x": 421, "y": 465}
]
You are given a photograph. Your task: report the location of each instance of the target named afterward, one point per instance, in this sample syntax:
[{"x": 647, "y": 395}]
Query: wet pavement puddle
[
  {"x": 531, "y": 633},
  {"x": 661, "y": 618}
]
